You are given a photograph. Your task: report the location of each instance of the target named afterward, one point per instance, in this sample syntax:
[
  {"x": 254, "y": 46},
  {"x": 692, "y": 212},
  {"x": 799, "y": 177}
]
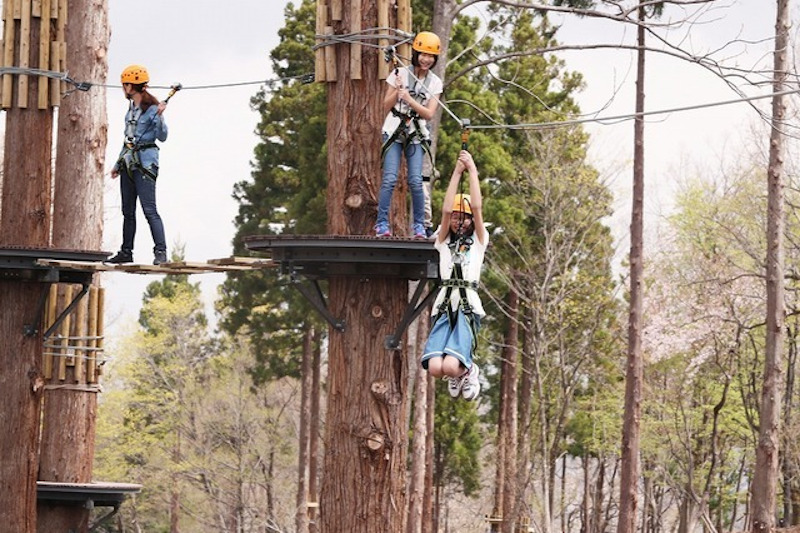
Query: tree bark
[
  {"x": 629, "y": 476},
  {"x": 765, "y": 479},
  {"x": 427, "y": 509},
  {"x": 22, "y": 384},
  {"x": 25, "y": 220},
  {"x": 77, "y": 225},
  {"x": 82, "y": 132},
  {"x": 417, "y": 495},
  {"x": 301, "y": 511},
  {"x": 313, "y": 440},
  {"x": 525, "y": 408},
  {"x": 363, "y": 490},
  {"x": 507, "y": 423}
]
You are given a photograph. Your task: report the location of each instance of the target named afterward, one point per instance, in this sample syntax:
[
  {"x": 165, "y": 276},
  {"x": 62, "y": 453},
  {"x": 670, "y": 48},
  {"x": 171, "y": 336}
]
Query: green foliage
[
  {"x": 457, "y": 442},
  {"x": 285, "y": 194},
  {"x": 183, "y": 418}
]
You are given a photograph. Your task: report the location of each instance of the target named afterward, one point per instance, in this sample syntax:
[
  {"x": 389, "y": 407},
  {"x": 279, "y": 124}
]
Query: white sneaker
[
  {"x": 471, "y": 386},
  {"x": 455, "y": 384}
]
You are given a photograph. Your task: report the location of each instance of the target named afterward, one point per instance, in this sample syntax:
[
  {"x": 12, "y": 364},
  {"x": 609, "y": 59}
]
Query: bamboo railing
[
  {"x": 330, "y": 21},
  {"x": 33, "y": 38},
  {"x": 73, "y": 354}
]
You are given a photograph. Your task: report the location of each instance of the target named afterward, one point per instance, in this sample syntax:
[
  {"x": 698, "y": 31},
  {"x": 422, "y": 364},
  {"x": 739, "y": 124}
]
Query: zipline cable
[{"x": 309, "y": 78}]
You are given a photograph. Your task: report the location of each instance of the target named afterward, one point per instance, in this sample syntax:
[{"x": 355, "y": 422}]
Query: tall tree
[
  {"x": 634, "y": 374},
  {"x": 363, "y": 489},
  {"x": 765, "y": 480},
  {"x": 77, "y": 225},
  {"x": 25, "y": 208}
]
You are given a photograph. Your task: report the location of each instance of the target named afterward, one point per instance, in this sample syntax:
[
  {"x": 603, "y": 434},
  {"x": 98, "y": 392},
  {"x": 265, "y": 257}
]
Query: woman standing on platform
[
  {"x": 461, "y": 241},
  {"x": 138, "y": 163}
]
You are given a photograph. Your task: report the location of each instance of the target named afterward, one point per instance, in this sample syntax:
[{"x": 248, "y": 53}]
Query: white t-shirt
[
  {"x": 419, "y": 91},
  {"x": 471, "y": 264}
]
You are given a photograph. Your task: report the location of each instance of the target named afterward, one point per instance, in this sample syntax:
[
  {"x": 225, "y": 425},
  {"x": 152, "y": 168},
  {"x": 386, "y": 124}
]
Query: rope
[
  {"x": 351, "y": 38},
  {"x": 86, "y": 85},
  {"x": 631, "y": 116},
  {"x": 100, "y": 360}
]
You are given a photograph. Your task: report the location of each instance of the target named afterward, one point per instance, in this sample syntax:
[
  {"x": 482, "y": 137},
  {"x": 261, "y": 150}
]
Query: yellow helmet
[
  {"x": 135, "y": 74},
  {"x": 427, "y": 43},
  {"x": 462, "y": 204}
]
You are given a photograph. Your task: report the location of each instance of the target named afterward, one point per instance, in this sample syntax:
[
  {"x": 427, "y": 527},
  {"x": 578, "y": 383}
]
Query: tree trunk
[
  {"x": 765, "y": 478},
  {"x": 69, "y": 416},
  {"x": 789, "y": 472},
  {"x": 25, "y": 220},
  {"x": 82, "y": 132},
  {"x": 313, "y": 441},
  {"x": 542, "y": 427},
  {"x": 427, "y": 509},
  {"x": 525, "y": 415},
  {"x": 586, "y": 507},
  {"x": 175, "y": 487},
  {"x": 301, "y": 503},
  {"x": 495, "y": 526},
  {"x": 629, "y": 476},
  {"x": 21, "y": 382},
  {"x": 417, "y": 495},
  {"x": 507, "y": 423},
  {"x": 363, "y": 490}
]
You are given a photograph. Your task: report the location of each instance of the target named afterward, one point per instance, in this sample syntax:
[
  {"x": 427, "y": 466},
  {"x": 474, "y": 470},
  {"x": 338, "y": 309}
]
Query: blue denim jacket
[{"x": 147, "y": 127}]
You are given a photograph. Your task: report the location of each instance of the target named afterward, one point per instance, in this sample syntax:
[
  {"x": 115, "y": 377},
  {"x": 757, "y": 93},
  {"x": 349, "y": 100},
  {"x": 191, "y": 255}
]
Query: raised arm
[
  {"x": 465, "y": 162},
  {"x": 476, "y": 200}
]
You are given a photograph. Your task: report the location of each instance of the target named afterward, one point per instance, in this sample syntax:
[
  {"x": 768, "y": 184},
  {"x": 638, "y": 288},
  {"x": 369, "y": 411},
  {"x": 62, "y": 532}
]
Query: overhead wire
[{"x": 356, "y": 38}]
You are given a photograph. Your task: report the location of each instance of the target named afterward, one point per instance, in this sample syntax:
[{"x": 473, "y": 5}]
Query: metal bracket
[
  {"x": 29, "y": 330},
  {"x": 103, "y": 520},
  {"x": 392, "y": 342},
  {"x": 317, "y": 299}
]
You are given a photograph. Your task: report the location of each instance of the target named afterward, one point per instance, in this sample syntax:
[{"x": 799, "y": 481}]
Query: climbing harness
[
  {"x": 409, "y": 118},
  {"x": 132, "y": 145},
  {"x": 457, "y": 281}
]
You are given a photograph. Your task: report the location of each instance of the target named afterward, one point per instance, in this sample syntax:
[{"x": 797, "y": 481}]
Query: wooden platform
[
  {"x": 226, "y": 264},
  {"x": 326, "y": 256},
  {"x": 102, "y": 494}
]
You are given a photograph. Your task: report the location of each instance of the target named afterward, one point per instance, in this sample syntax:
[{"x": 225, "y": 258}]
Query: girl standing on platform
[
  {"x": 410, "y": 101},
  {"x": 461, "y": 242}
]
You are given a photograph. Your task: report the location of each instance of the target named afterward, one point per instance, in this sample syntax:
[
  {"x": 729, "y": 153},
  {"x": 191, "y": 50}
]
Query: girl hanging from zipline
[{"x": 461, "y": 241}]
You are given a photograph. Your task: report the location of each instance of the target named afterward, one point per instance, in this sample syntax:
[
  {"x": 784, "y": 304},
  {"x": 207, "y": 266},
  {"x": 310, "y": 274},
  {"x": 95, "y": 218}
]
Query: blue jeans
[
  {"x": 391, "y": 164},
  {"x": 143, "y": 187}
]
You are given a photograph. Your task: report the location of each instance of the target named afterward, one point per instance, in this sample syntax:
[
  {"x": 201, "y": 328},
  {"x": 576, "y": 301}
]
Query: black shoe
[
  {"x": 160, "y": 257},
  {"x": 121, "y": 257}
]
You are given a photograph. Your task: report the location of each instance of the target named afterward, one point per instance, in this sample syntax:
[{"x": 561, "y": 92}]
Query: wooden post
[
  {"x": 50, "y": 318},
  {"x": 355, "y": 48},
  {"x": 336, "y": 10},
  {"x": 24, "y": 53},
  {"x": 383, "y": 22},
  {"x": 65, "y": 297},
  {"x": 78, "y": 351},
  {"x": 8, "y": 51},
  {"x": 404, "y": 24},
  {"x": 319, "y": 53},
  {"x": 91, "y": 354},
  {"x": 44, "y": 53}
]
